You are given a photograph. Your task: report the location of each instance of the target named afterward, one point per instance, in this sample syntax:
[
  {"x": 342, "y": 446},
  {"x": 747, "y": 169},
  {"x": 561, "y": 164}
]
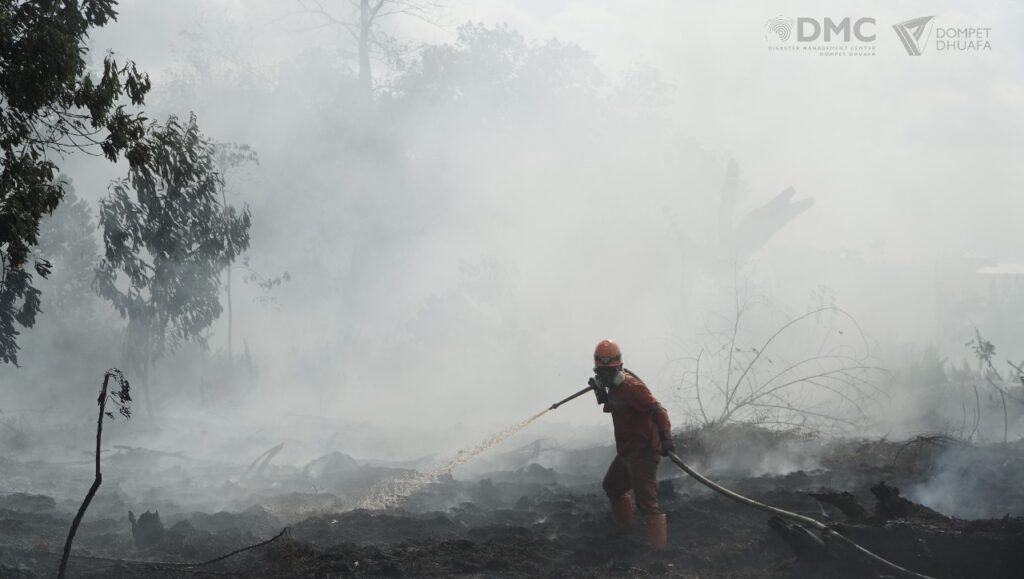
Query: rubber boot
[
  {"x": 657, "y": 533},
  {"x": 622, "y": 512}
]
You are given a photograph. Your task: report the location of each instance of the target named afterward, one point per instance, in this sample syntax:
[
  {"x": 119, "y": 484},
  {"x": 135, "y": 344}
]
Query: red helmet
[{"x": 607, "y": 354}]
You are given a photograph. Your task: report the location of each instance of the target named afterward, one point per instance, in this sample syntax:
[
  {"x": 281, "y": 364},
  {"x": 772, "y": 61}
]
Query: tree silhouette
[{"x": 168, "y": 235}]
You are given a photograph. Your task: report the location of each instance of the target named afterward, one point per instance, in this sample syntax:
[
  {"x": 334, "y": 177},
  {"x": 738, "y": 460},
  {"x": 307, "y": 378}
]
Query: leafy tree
[
  {"x": 168, "y": 235},
  {"x": 51, "y": 105}
]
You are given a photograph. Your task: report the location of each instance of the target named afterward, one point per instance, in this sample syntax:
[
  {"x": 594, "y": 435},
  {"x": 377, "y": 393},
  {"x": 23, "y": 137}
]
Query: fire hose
[{"x": 826, "y": 531}]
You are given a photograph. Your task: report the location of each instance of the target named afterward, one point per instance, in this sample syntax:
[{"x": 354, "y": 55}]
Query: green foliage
[
  {"x": 167, "y": 236},
  {"x": 50, "y": 105}
]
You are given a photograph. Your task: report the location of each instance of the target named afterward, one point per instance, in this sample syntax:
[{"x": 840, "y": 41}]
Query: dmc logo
[
  {"x": 822, "y": 36},
  {"x": 811, "y": 29},
  {"x": 778, "y": 29},
  {"x": 914, "y": 33}
]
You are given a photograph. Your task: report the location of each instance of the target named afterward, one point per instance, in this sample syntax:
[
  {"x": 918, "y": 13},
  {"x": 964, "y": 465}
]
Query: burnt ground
[{"x": 540, "y": 520}]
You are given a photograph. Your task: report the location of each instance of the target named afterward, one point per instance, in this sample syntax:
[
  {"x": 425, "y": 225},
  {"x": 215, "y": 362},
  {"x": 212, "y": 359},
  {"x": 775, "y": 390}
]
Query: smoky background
[{"x": 532, "y": 177}]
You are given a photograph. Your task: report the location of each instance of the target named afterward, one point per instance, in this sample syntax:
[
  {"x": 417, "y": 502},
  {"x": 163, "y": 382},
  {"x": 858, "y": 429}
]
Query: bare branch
[{"x": 700, "y": 403}]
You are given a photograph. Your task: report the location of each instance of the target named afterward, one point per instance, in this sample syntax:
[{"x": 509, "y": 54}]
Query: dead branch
[
  {"x": 921, "y": 440},
  {"x": 170, "y": 564},
  {"x": 984, "y": 351},
  {"x": 977, "y": 411},
  {"x": 263, "y": 460},
  {"x": 283, "y": 532},
  {"x": 696, "y": 378},
  {"x": 768, "y": 384},
  {"x": 122, "y": 398},
  {"x": 1019, "y": 368}
]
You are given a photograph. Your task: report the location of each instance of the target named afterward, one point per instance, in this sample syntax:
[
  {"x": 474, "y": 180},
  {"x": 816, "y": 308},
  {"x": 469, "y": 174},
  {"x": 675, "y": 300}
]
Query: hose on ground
[{"x": 825, "y": 530}]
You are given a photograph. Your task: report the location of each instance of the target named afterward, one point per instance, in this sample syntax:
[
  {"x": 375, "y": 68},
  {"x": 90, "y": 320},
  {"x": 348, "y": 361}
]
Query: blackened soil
[
  {"x": 530, "y": 525},
  {"x": 569, "y": 537}
]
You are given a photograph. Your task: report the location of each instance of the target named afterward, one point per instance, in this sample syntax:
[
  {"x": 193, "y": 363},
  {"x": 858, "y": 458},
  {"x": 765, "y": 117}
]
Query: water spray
[{"x": 395, "y": 490}]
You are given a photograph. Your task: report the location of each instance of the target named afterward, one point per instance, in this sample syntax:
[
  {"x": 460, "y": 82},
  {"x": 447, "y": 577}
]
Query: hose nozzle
[{"x": 576, "y": 395}]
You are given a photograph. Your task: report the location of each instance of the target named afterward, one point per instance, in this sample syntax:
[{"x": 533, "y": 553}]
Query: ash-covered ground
[{"x": 533, "y": 509}]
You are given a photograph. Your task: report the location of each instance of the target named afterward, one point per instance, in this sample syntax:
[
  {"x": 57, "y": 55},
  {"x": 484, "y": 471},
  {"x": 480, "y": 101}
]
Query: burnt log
[
  {"x": 147, "y": 530},
  {"x": 844, "y": 501},
  {"x": 890, "y": 505}
]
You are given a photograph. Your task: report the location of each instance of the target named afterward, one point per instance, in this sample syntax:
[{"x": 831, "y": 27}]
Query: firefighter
[{"x": 643, "y": 434}]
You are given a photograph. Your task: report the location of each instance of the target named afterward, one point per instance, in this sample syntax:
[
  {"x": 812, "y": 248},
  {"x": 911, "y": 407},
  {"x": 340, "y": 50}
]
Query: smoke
[
  {"x": 972, "y": 482},
  {"x": 523, "y": 190}
]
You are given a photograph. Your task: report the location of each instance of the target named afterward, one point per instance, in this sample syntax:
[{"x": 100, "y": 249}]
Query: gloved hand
[
  {"x": 600, "y": 392},
  {"x": 667, "y": 445}
]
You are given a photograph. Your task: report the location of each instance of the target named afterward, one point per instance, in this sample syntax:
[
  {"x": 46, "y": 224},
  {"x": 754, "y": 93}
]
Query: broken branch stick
[
  {"x": 122, "y": 398},
  {"x": 176, "y": 564}
]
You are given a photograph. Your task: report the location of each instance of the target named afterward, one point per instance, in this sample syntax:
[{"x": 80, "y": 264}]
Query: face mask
[{"x": 609, "y": 375}]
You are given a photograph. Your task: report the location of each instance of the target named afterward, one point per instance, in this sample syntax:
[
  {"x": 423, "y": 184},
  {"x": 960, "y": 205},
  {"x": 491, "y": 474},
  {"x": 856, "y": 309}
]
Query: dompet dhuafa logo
[{"x": 914, "y": 33}]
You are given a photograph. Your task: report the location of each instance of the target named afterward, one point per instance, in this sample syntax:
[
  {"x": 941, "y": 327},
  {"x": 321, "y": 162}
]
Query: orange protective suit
[{"x": 640, "y": 424}]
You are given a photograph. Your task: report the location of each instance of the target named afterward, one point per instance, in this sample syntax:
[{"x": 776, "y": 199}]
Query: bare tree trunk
[
  {"x": 231, "y": 318},
  {"x": 144, "y": 375},
  {"x": 102, "y": 401},
  {"x": 1006, "y": 419},
  {"x": 1002, "y": 397},
  {"x": 365, "y": 74}
]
